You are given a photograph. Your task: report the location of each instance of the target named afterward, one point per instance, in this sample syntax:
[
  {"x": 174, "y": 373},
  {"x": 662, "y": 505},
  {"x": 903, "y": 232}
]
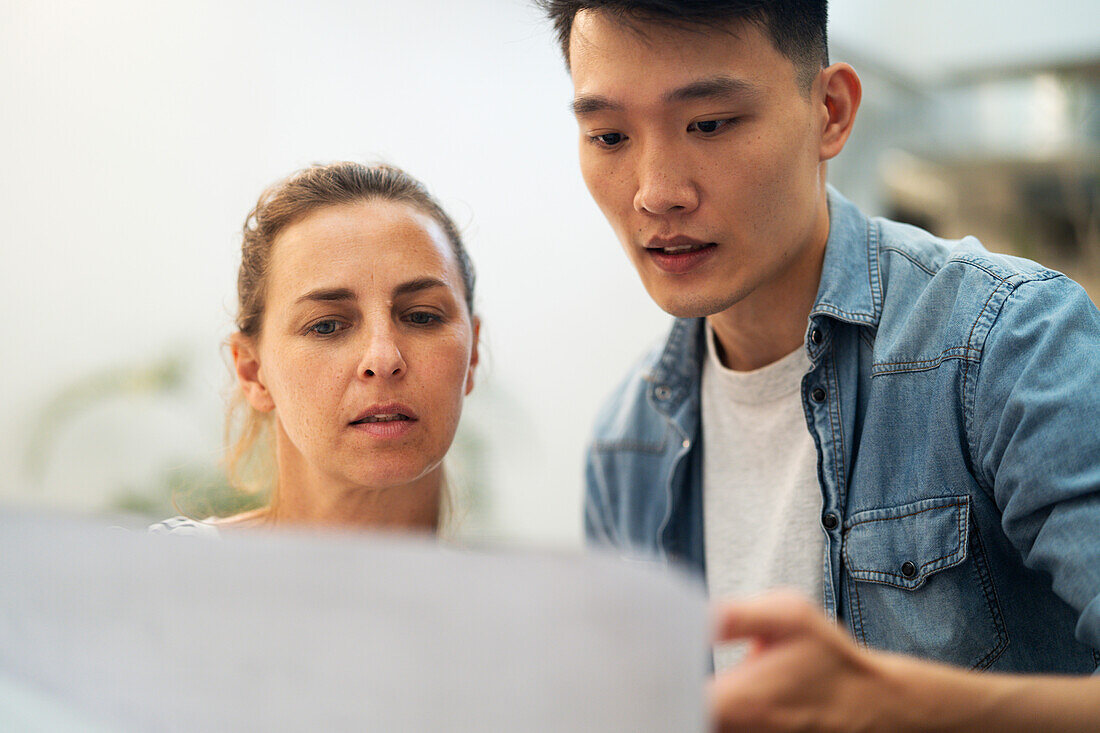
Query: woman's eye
[
  {"x": 325, "y": 328},
  {"x": 608, "y": 139},
  {"x": 422, "y": 318},
  {"x": 708, "y": 127}
]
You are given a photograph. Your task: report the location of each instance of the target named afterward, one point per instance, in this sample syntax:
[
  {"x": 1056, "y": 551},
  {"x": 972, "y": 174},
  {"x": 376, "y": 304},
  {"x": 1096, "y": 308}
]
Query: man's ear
[
  {"x": 474, "y": 356},
  {"x": 246, "y": 363},
  {"x": 841, "y": 93}
]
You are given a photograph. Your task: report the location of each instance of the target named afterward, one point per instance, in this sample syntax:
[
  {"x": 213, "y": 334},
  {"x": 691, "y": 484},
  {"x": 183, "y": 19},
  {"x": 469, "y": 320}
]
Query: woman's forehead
[{"x": 359, "y": 245}]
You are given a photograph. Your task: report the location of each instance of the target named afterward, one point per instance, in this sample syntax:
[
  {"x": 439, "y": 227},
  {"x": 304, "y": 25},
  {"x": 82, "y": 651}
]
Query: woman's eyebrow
[
  {"x": 327, "y": 294},
  {"x": 415, "y": 286}
]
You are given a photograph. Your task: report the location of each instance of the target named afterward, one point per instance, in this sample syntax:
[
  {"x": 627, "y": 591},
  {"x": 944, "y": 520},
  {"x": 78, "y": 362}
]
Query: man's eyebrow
[
  {"x": 715, "y": 86},
  {"x": 327, "y": 294},
  {"x": 589, "y": 104},
  {"x": 710, "y": 88},
  {"x": 415, "y": 286}
]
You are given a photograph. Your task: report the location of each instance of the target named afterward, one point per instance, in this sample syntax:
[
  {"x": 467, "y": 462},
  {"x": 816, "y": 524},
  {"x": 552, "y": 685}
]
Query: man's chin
[{"x": 691, "y": 305}]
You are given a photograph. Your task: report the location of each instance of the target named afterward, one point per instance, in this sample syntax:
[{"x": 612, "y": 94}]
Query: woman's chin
[{"x": 392, "y": 473}]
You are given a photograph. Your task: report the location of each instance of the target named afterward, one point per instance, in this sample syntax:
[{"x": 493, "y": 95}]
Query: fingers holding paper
[{"x": 802, "y": 672}]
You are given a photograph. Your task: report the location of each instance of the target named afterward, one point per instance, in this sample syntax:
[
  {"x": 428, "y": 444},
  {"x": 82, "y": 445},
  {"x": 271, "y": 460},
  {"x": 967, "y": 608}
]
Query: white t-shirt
[{"x": 761, "y": 497}]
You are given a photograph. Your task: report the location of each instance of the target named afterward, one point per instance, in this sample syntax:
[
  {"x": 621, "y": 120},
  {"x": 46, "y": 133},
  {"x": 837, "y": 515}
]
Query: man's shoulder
[
  {"x": 629, "y": 418},
  {"x": 940, "y": 297},
  {"x": 626, "y": 408},
  {"x": 909, "y": 250}
]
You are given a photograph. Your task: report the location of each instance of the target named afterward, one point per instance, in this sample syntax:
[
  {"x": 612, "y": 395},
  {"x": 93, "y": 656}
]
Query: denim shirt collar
[
  {"x": 851, "y": 279},
  {"x": 674, "y": 377}
]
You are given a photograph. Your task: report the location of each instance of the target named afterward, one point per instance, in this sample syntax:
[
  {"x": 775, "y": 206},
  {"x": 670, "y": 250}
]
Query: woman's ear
[
  {"x": 246, "y": 363},
  {"x": 841, "y": 92},
  {"x": 474, "y": 356}
]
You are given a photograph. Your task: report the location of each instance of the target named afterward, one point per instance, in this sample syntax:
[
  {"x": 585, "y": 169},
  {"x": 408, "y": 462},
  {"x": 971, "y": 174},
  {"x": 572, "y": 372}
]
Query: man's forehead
[
  {"x": 612, "y": 58},
  {"x": 596, "y": 31}
]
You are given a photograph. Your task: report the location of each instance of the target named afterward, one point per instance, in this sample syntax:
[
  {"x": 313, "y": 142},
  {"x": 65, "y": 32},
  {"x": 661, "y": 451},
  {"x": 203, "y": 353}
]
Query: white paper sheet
[{"x": 291, "y": 632}]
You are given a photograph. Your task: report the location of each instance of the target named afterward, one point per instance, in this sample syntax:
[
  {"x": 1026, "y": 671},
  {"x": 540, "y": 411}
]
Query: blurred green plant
[
  {"x": 165, "y": 375},
  {"x": 197, "y": 488}
]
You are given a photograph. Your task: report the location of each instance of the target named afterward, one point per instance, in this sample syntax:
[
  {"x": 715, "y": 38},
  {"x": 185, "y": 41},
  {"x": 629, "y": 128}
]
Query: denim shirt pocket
[{"x": 918, "y": 582}]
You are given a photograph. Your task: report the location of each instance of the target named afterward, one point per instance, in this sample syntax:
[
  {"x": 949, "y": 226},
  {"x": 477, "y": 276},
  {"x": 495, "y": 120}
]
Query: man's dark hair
[{"x": 796, "y": 27}]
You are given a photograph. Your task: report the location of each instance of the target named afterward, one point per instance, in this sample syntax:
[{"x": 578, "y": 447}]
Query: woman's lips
[
  {"x": 679, "y": 255},
  {"x": 390, "y": 420},
  {"x": 388, "y": 428}
]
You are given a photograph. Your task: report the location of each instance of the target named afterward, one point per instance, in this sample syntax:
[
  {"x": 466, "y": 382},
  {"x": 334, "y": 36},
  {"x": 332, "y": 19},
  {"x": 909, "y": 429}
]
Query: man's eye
[
  {"x": 708, "y": 127},
  {"x": 422, "y": 318},
  {"x": 608, "y": 139},
  {"x": 325, "y": 328}
]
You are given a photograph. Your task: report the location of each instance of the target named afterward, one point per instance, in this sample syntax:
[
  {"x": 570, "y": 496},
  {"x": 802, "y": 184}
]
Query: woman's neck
[{"x": 304, "y": 497}]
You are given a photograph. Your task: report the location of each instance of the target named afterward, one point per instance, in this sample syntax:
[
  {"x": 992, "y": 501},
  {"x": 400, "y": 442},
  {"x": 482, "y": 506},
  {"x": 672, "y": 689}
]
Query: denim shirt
[{"x": 954, "y": 402}]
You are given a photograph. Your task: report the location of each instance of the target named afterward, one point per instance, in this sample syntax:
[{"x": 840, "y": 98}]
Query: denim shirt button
[
  {"x": 662, "y": 393},
  {"x": 830, "y": 521},
  {"x": 818, "y": 395},
  {"x": 686, "y": 443},
  {"x": 908, "y": 569},
  {"x": 816, "y": 337}
]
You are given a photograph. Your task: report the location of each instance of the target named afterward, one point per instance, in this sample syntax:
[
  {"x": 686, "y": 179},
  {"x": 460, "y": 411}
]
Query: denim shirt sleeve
[
  {"x": 1034, "y": 432},
  {"x": 598, "y": 529}
]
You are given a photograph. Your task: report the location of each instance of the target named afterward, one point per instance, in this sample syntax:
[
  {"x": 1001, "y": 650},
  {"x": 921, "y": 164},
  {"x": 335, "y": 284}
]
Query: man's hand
[{"x": 803, "y": 673}]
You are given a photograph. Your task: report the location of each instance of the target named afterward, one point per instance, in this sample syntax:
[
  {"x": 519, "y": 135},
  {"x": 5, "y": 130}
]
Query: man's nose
[
  {"x": 665, "y": 183},
  {"x": 381, "y": 355}
]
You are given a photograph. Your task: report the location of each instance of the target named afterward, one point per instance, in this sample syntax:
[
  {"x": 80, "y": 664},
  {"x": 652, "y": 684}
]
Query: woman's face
[{"x": 367, "y": 347}]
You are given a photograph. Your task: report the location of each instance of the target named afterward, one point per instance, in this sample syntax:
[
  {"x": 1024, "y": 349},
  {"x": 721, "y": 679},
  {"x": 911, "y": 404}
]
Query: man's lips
[
  {"x": 676, "y": 245},
  {"x": 678, "y": 255}
]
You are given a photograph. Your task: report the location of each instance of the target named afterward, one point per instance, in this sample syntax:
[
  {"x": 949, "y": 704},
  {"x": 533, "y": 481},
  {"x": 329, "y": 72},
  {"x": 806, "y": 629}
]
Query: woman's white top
[{"x": 184, "y": 526}]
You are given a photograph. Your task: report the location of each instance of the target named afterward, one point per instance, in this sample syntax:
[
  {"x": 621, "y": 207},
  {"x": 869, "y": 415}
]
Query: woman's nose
[{"x": 382, "y": 357}]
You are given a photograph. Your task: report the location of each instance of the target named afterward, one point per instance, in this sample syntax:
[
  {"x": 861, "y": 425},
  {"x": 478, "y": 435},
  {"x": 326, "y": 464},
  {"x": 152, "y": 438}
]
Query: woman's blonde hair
[{"x": 249, "y": 437}]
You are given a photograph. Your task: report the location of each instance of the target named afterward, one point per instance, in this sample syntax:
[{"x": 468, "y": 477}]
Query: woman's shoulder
[
  {"x": 184, "y": 526},
  {"x": 211, "y": 526}
]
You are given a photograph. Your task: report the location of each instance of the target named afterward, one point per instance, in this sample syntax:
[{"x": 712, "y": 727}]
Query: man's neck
[{"x": 771, "y": 321}]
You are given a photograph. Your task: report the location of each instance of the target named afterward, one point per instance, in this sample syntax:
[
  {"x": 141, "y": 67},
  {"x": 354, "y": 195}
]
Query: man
[{"x": 905, "y": 429}]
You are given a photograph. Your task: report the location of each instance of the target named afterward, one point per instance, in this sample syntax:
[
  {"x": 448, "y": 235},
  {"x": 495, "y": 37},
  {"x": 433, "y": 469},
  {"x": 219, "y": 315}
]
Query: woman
[{"x": 355, "y": 347}]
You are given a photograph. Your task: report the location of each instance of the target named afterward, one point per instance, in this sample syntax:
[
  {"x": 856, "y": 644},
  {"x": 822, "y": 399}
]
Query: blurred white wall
[{"x": 135, "y": 136}]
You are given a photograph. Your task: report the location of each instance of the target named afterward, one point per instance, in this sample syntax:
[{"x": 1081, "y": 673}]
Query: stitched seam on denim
[
  {"x": 909, "y": 257},
  {"x": 913, "y": 370},
  {"x": 883, "y": 573},
  {"x": 974, "y": 325},
  {"x": 986, "y": 579},
  {"x": 1018, "y": 278},
  {"x": 965, "y": 260},
  {"x": 969, "y": 396},
  {"x": 877, "y": 370},
  {"x": 876, "y": 281},
  {"x": 859, "y": 605},
  {"x": 835, "y": 423},
  {"x": 902, "y": 516},
  {"x": 946, "y": 353},
  {"x": 868, "y": 317}
]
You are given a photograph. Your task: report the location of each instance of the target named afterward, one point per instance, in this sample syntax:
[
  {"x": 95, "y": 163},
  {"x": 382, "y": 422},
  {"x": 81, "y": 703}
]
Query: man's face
[{"x": 704, "y": 153}]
